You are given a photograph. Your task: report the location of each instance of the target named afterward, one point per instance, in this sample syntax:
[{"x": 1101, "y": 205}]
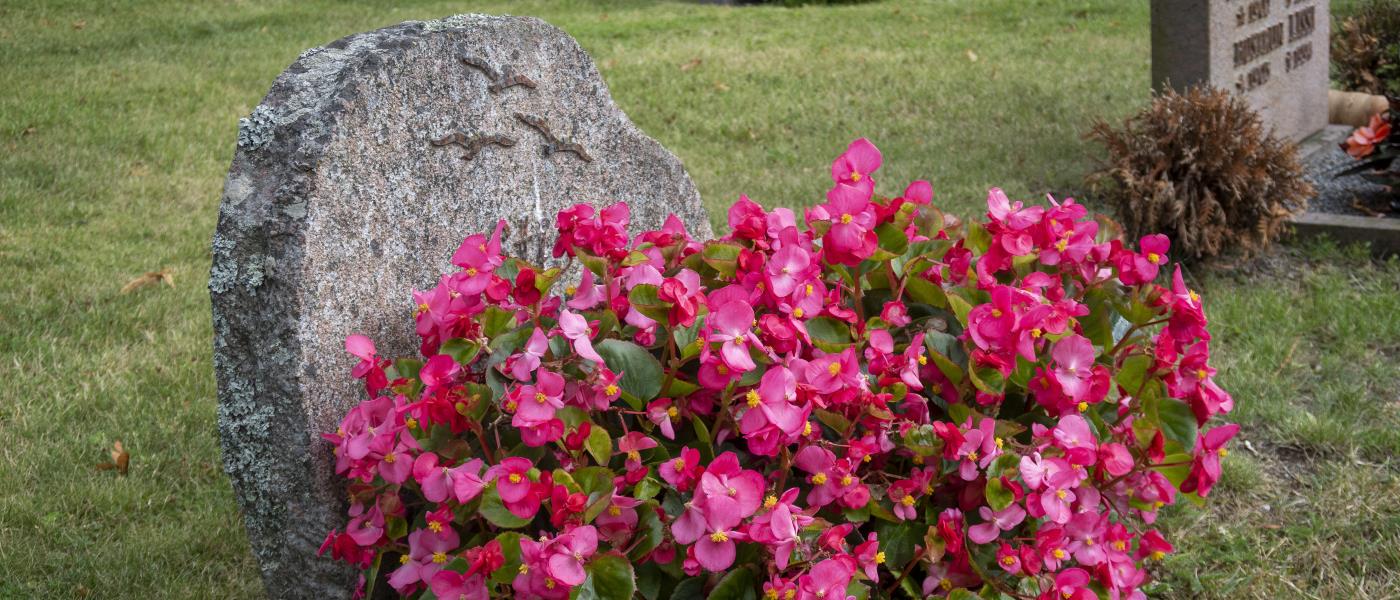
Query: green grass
[{"x": 117, "y": 125}]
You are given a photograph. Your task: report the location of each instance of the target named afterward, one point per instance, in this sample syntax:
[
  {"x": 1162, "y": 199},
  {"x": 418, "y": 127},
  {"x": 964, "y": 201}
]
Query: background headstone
[
  {"x": 339, "y": 203},
  {"x": 1273, "y": 52}
]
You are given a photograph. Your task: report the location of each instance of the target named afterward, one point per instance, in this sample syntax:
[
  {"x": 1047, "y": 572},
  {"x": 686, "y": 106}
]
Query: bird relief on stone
[{"x": 498, "y": 81}]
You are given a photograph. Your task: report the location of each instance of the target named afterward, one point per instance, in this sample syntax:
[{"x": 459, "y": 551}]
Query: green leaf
[
  {"x": 495, "y": 511},
  {"x": 510, "y": 549},
  {"x": 837, "y": 422},
  {"x": 1130, "y": 377},
  {"x": 610, "y": 577},
  {"x": 594, "y": 480},
  {"x": 649, "y": 578},
  {"x": 925, "y": 291},
  {"x": 643, "y": 298},
  {"x": 960, "y": 306},
  {"x": 646, "y": 489},
  {"x": 988, "y": 379},
  {"x": 739, "y": 584},
  {"x": 829, "y": 334},
  {"x": 495, "y": 321},
  {"x": 897, "y": 541},
  {"x": 599, "y": 444},
  {"x": 1177, "y": 421},
  {"x": 650, "y": 530},
  {"x": 998, "y": 497},
  {"x": 640, "y": 371},
  {"x": 462, "y": 350},
  {"x": 692, "y": 588},
  {"x": 978, "y": 238},
  {"x": 723, "y": 257},
  {"x": 892, "y": 239}
]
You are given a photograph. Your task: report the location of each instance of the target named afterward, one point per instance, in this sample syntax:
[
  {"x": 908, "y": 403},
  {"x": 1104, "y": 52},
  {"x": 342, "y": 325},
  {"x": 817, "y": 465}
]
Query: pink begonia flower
[
  {"x": 1087, "y": 542},
  {"x": 428, "y": 553},
  {"x": 1188, "y": 318},
  {"x": 1073, "y": 584},
  {"x": 868, "y": 557},
  {"x": 831, "y": 479},
  {"x": 370, "y": 368},
  {"x": 439, "y": 371},
  {"x": 827, "y": 580},
  {"x": 1013, "y": 216},
  {"x": 586, "y": 295},
  {"x": 1074, "y": 436},
  {"x": 1136, "y": 268},
  {"x": 632, "y": 444},
  {"x": 1116, "y": 459},
  {"x": 715, "y": 549},
  {"x": 538, "y": 402},
  {"x": 686, "y": 296},
  {"x": 904, "y": 494},
  {"x": 576, "y": 328},
  {"x": 397, "y": 464},
  {"x": 619, "y": 519},
  {"x": 518, "y": 493},
  {"x": 978, "y": 450},
  {"x": 533, "y": 580},
  {"x": 663, "y": 413},
  {"x": 777, "y": 527},
  {"x": 683, "y": 471},
  {"x": 524, "y": 363},
  {"x": 851, "y": 237},
  {"x": 856, "y": 164},
  {"x": 995, "y": 522},
  {"x": 1074, "y": 366},
  {"x": 478, "y": 258},
  {"x": 772, "y": 404},
  {"x": 1152, "y": 545},
  {"x": 731, "y": 324},
  {"x": 895, "y": 313},
  {"x": 1205, "y": 461},
  {"x": 786, "y": 269},
  {"x": 451, "y": 585},
  {"x": 366, "y": 526},
  {"x": 567, "y": 553}
]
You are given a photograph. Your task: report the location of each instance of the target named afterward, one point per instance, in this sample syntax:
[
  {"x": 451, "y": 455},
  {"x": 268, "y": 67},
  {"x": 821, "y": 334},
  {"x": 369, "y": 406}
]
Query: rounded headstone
[{"x": 354, "y": 181}]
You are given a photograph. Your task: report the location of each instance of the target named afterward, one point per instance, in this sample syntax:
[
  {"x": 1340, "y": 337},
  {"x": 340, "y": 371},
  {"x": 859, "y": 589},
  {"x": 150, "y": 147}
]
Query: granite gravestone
[
  {"x": 353, "y": 182},
  {"x": 1272, "y": 52}
]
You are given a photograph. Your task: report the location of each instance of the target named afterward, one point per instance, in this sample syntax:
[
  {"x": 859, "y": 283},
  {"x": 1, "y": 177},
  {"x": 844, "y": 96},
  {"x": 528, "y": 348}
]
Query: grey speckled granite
[{"x": 337, "y": 205}]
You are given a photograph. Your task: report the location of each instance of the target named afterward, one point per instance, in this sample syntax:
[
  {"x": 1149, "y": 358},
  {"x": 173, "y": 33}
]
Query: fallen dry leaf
[
  {"x": 691, "y": 64},
  {"x": 79, "y": 24},
  {"x": 152, "y": 277},
  {"x": 120, "y": 460},
  {"x": 721, "y": 87},
  {"x": 972, "y": 56},
  {"x": 28, "y": 131}
]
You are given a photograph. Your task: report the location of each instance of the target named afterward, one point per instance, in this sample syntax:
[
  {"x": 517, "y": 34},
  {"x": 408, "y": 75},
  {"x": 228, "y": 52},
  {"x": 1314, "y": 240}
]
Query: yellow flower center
[
  {"x": 571, "y": 290},
  {"x": 514, "y": 478},
  {"x": 972, "y": 455},
  {"x": 471, "y": 271},
  {"x": 422, "y": 308},
  {"x": 855, "y": 176},
  {"x": 819, "y": 478},
  {"x": 389, "y": 458},
  {"x": 789, "y": 595},
  {"x": 771, "y": 594},
  {"x": 439, "y": 557},
  {"x": 1088, "y": 541},
  {"x": 1083, "y": 406},
  {"x": 1000, "y": 443},
  {"x": 833, "y": 368},
  {"x": 945, "y": 583},
  {"x": 611, "y": 390},
  {"x": 923, "y": 359},
  {"x": 679, "y": 464},
  {"x": 807, "y": 428},
  {"x": 1059, "y": 553},
  {"x": 846, "y": 218},
  {"x": 907, "y": 500},
  {"x": 809, "y": 289},
  {"x": 411, "y": 422},
  {"x": 524, "y": 568},
  {"x": 719, "y": 537},
  {"x": 918, "y": 459},
  {"x": 541, "y": 398},
  {"x": 1201, "y": 374},
  {"x": 770, "y": 501},
  {"x": 996, "y": 312},
  {"x": 1194, "y": 296},
  {"x": 1060, "y": 494},
  {"x": 1154, "y": 258},
  {"x": 1119, "y": 545},
  {"x": 634, "y": 455},
  {"x": 673, "y": 412},
  {"x": 549, "y": 583},
  {"x": 798, "y": 312},
  {"x": 866, "y": 458},
  {"x": 614, "y": 510},
  {"x": 435, "y": 526},
  {"x": 1158, "y": 555},
  {"x": 1061, "y": 245},
  {"x": 753, "y": 399},
  {"x": 1223, "y": 452},
  {"x": 1008, "y": 560},
  {"x": 879, "y": 558},
  {"x": 1036, "y": 333},
  {"x": 721, "y": 369},
  {"x": 846, "y": 480}
]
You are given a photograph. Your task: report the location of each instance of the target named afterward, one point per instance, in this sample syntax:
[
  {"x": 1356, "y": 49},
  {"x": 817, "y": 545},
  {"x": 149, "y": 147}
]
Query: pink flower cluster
[{"x": 872, "y": 399}]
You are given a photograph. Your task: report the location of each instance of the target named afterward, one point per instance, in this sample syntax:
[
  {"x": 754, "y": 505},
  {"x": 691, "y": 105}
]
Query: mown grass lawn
[{"x": 117, "y": 124}]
